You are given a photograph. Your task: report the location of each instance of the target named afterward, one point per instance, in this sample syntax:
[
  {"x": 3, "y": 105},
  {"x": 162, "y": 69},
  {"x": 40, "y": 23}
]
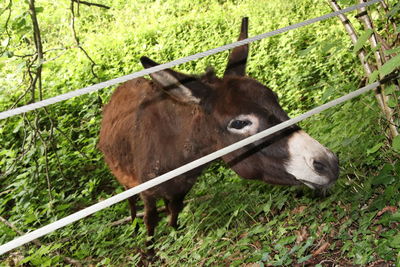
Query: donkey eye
[
  {"x": 239, "y": 124},
  {"x": 244, "y": 124}
]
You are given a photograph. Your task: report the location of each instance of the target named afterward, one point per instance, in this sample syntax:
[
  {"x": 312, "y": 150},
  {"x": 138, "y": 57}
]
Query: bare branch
[
  {"x": 36, "y": 82},
  {"x": 72, "y": 8},
  {"x": 90, "y": 4},
  {"x": 385, "y": 46},
  {"x": 384, "y": 5},
  {"x": 53, "y": 143},
  {"x": 34, "y": 74},
  {"x": 373, "y": 39},
  {"x": 38, "y": 133},
  {"x": 39, "y": 48}
]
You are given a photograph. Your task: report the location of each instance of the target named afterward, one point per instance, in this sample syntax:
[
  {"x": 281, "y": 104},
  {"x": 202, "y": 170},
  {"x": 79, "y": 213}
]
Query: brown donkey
[{"x": 153, "y": 126}]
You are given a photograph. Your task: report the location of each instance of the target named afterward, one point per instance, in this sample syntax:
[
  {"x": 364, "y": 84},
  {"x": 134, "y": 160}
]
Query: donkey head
[{"x": 237, "y": 106}]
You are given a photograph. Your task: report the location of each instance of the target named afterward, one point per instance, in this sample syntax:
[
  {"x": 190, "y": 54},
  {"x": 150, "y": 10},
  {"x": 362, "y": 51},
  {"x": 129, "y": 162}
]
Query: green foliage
[
  {"x": 396, "y": 143},
  {"x": 56, "y": 170},
  {"x": 387, "y": 68},
  {"x": 390, "y": 66},
  {"x": 362, "y": 40}
]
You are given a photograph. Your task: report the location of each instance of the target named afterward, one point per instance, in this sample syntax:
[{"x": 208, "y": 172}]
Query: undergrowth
[{"x": 227, "y": 220}]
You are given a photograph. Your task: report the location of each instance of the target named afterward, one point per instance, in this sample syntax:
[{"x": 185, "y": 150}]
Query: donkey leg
[
  {"x": 150, "y": 219},
  {"x": 166, "y": 203},
  {"x": 175, "y": 206},
  {"x": 132, "y": 205}
]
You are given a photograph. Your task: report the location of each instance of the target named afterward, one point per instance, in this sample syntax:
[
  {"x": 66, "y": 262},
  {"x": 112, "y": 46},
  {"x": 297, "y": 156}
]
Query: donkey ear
[
  {"x": 181, "y": 87},
  {"x": 238, "y": 57}
]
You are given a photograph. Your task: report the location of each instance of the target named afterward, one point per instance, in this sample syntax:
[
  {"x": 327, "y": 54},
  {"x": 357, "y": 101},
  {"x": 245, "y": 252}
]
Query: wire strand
[
  {"x": 169, "y": 175},
  {"x": 187, "y": 167}
]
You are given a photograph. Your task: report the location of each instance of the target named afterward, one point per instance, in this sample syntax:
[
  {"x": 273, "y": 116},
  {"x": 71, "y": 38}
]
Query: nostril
[{"x": 319, "y": 166}]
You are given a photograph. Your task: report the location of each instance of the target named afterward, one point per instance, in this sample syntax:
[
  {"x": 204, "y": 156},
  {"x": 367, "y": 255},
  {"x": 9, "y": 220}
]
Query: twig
[
  {"x": 385, "y": 46},
  {"x": 20, "y": 98},
  {"x": 379, "y": 61},
  {"x": 72, "y": 143},
  {"x": 368, "y": 25},
  {"x": 32, "y": 79},
  {"x": 39, "y": 47},
  {"x": 72, "y": 8},
  {"x": 38, "y": 133},
  {"x": 52, "y": 140},
  {"x": 37, "y": 83},
  {"x": 321, "y": 249},
  {"x": 90, "y": 4}
]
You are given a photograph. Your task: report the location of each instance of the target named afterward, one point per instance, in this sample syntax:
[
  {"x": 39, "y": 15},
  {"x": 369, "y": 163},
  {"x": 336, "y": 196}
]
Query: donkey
[{"x": 153, "y": 126}]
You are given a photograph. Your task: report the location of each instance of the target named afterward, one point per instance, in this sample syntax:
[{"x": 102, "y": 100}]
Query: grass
[
  {"x": 235, "y": 222},
  {"x": 228, "y": 220}
]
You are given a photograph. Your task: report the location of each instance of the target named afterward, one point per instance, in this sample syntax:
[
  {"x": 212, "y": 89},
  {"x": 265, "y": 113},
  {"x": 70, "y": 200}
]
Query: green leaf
[
  {"x": 326, "y": 46},
  {"x": 287, "y": 240},
  {"x": 39, "y": 9},
  {"x": 327, "y": 94},
  {"x": 395, "y": 217},
  {"x": 361, "y": 40},
  {"x": 8, "y": 54},
  {"x": 396, "y": 143},
  {"x": 303, "y": 259},
  {"x": 5, "y": 42},
  {"x": 387, "y": 169},
  {"x": 392, "y": 51},
  {"x": 390, "y": 89},
  {"x": 265, "y": 256},
  {"x": 390, "y": 66},
  {"x": 267, "y": 207},
  {"x": 392, "y": 102},
  {"x": 384, "y": 179},
  {"x": 394, "y": 10},
  {"x": 395, "y": 242},
  {"x": 375, "y": 148},
  {"x": 373, "y": 76},
  {"x": 306, "y": 51}
]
